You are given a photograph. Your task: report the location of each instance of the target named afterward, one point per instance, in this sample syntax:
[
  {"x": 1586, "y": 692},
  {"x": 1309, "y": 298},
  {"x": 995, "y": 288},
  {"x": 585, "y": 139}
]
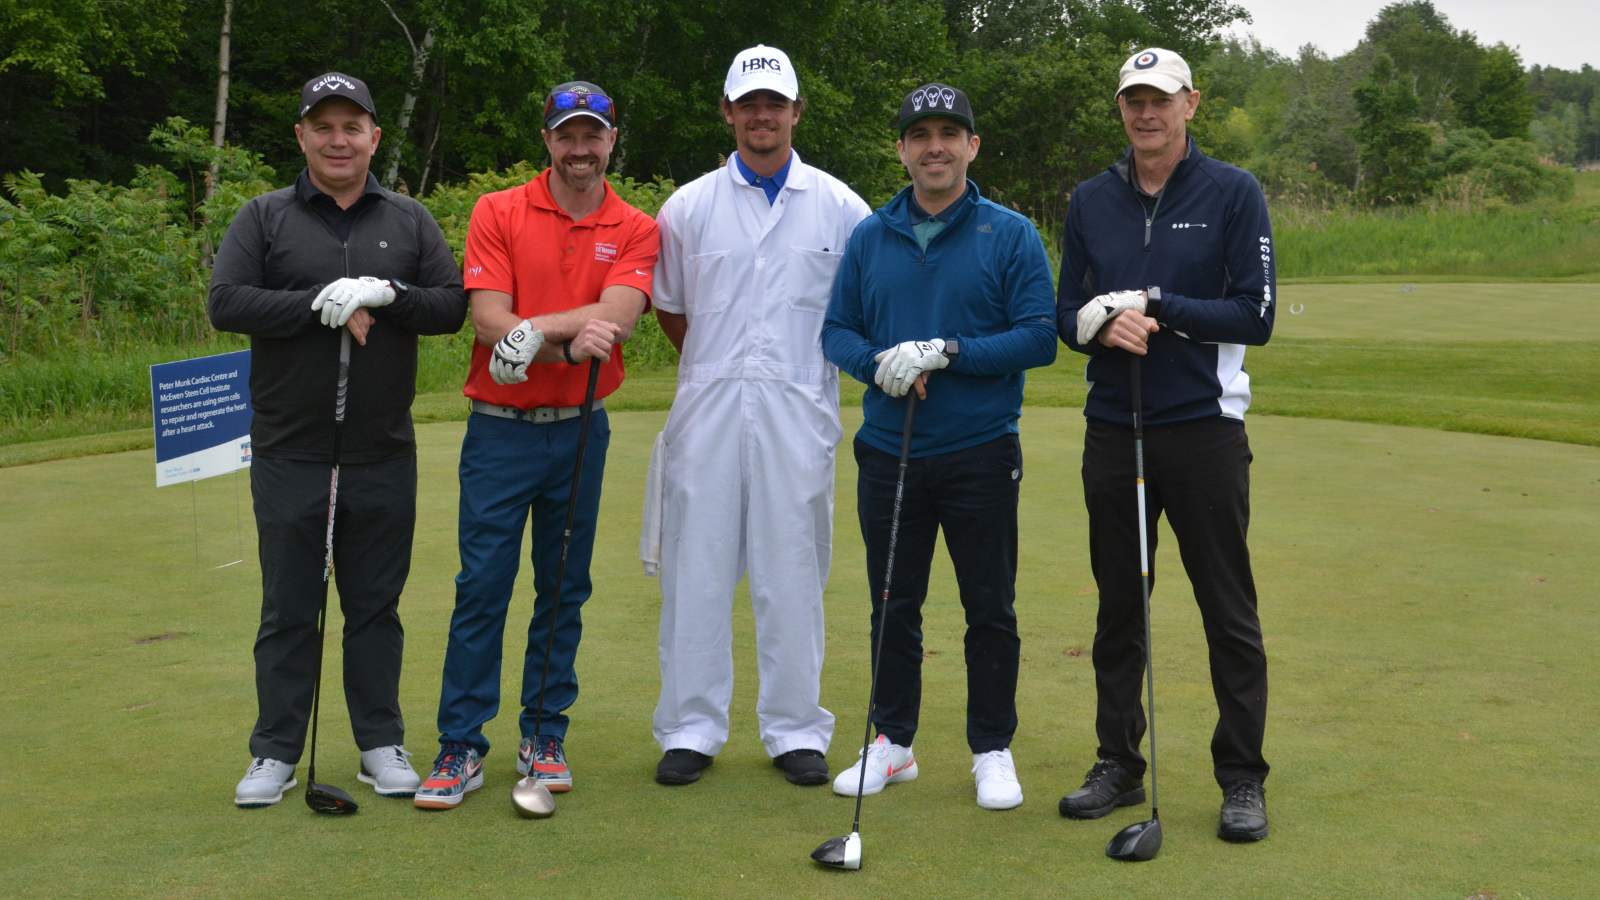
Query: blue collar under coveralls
[{"x": 770, "y": 184}]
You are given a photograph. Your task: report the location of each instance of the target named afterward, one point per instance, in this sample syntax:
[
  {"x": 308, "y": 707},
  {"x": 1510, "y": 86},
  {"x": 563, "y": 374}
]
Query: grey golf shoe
[
  {"x": 389, "y": 772},
  {"x": 264, "y": 783}
]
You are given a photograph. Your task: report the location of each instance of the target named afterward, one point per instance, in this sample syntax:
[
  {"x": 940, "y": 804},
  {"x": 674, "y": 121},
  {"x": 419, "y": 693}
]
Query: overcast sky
[{"x": 1561, "y": 33}]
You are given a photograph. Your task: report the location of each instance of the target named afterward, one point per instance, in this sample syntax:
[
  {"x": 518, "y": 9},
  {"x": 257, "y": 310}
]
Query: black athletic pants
[
  {"x": 1198, "y": 473},
  {"x": 972, "y": 495},
  {"x": 371, "y": 558}
]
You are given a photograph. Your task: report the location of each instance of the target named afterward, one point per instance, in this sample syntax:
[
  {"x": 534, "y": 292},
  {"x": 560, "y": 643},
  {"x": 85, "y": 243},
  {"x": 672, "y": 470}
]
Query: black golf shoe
[
  {"x": 1244, "y": 812},
  {"x": 681, "y": 766},
  {"x": 1107, "y": 786},
  {"x": 808, "y": 767}
]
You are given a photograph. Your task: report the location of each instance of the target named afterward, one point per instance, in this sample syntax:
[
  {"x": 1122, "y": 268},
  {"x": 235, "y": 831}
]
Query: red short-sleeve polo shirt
[{"x": 521, "y": 242}]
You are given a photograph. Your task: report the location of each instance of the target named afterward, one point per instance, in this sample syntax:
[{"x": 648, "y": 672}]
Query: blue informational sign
[{"x": 202, "y": 416}]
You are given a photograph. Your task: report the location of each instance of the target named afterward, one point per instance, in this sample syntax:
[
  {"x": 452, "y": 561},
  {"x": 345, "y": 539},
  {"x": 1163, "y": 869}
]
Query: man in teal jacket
[{"x": 941, "y": 278}]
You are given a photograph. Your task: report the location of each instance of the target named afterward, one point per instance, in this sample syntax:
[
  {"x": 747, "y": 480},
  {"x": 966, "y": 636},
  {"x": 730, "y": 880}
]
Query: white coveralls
[{"x": 747, "y": 455}]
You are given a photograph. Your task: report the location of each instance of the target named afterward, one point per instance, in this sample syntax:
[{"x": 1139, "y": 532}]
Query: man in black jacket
[
  {"x": 333, "y": 252},
  {"x": 1168, "y": 257}
]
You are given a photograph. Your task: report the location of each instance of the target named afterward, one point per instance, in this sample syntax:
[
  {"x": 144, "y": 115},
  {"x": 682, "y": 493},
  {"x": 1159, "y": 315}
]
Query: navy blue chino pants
[
  {"x": 512, "y": 470},
  {"x": 972, "y": 495}
]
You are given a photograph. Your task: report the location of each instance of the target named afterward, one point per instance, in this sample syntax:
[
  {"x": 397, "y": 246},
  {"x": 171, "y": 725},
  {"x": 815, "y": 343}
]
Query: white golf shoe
[
  {"x": 264, "y": 783},
  {"x": 886, "y": 764},
  {"x": 996, "y": 775},
  {"x": 386, "y": 769}
]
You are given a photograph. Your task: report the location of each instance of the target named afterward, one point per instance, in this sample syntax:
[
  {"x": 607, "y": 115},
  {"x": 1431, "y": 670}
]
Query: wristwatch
[
  {"x": 1152, "y": 304},
  {"x": 952, "y": 349},
  {"x": 401, "y": 289}
]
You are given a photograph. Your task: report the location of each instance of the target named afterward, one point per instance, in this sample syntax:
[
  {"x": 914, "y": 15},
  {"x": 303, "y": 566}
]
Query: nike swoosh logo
[
  {"x": 893, "y": 771},
  {"x": 641, "y": 272}
]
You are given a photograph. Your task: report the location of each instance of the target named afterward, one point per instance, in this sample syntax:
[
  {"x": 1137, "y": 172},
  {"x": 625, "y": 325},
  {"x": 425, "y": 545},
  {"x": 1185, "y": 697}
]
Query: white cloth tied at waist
[{"x": 766, "y": 370}]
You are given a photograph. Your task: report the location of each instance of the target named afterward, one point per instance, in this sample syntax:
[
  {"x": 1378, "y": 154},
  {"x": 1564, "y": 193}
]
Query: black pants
[
  {"x": 972, "y": 495},
  {"x": 1199, "y": 474},
  {"x": 371, "y": 559}
]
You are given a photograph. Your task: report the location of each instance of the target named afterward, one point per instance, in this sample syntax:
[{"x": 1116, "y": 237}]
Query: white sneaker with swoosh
[{"x": 886, "y": 763}]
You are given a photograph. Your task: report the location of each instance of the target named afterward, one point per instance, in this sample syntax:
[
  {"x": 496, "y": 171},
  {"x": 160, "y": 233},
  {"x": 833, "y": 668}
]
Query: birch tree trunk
[
  {"x": 219, "y": 124},
  {"x": 402, "y": 122}
]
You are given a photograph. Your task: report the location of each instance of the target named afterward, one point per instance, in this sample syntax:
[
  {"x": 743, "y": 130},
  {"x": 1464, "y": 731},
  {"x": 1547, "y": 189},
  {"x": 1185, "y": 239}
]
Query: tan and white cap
[
  {"x": 1162, "y": 69},
  {"x": 761, "y": 68}
]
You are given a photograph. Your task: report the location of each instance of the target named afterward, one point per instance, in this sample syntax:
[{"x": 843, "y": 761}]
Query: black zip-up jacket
[
  {"x": 1206, "y": 241},
  {"x": 279, "y": 253}
]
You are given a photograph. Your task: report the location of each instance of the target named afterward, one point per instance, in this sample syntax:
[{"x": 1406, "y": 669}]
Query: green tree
[
  {"x": 1503, "y": 107},
  {"x": 1394, "y": 142},
  {"x": 1440, "y": 62}
]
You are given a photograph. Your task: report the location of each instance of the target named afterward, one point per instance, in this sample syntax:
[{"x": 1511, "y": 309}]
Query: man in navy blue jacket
[
  {"x": 1168, "y": 256},
  {"x": 941, "y": 278}
]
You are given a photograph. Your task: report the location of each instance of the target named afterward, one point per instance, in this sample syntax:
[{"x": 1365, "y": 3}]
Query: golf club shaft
[
  {"x": 566, "y": 539},
  {"x": 888, "y": 578},
  {"x": 1144, "y": 579},
  {"x": 327, "y": 562}
]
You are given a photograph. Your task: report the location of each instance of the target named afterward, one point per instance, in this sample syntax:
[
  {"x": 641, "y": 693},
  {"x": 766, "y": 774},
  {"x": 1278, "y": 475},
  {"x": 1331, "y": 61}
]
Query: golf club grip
[
  {"x": 1138, "y": 395},
  {"x": 344, "y": 376},
  {"x": 566, "y": 541}
]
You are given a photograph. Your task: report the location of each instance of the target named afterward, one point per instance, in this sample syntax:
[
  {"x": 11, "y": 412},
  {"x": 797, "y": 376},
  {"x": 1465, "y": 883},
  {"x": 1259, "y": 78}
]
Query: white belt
[{"x": 539, "y": 415}]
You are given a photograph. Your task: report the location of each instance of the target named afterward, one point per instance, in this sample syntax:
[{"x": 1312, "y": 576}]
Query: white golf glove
[
  {"x": 1093, "y": 316},
  {"x": 508, "y": 364},
  {"x": 899, "y": 366},
  {"x": 340, "y": 300}
]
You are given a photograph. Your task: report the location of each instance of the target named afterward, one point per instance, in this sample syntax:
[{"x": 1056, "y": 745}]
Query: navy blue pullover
[
  {"x": 1206, "y": 242},
  {"x": 984, "y": 280}
]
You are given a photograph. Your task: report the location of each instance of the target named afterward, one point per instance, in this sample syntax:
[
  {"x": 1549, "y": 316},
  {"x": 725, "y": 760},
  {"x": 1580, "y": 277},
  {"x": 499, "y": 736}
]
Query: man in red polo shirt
[{"x": 557, "y": 272}]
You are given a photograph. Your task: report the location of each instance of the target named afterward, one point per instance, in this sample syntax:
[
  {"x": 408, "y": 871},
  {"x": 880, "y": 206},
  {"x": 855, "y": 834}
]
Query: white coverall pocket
[
  {"x": 650, "y": 522},
  {"x": 710, "y": 276},
  {"x": 811, "y": 278}
]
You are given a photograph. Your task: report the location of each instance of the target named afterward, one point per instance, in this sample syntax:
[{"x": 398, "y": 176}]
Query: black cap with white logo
[
  {"x": 936, "y": 100},
  {"x": 336, "y": 84}
]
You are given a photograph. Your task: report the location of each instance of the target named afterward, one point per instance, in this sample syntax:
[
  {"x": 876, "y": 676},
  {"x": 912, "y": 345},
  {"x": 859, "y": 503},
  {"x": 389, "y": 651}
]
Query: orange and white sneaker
[
  {"x": 457, "y": 771},
  {"x": 549, "y": 764},
  {"x": 886, "y": 764}
]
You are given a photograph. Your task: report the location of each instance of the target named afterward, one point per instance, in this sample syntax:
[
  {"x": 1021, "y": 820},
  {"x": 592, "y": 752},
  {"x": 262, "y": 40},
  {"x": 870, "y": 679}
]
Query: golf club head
[
  {"x": 325, "y": 798},
  {"x": 1139, "y": 842},
  {"x": 840, "y": 852},
  {"x": 532, "y": 799}
]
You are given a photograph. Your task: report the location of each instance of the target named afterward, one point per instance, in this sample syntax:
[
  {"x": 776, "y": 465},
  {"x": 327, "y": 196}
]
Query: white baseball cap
[
  {"x": 1163, "y": 70},
  {"x": 761, "y": 68}
]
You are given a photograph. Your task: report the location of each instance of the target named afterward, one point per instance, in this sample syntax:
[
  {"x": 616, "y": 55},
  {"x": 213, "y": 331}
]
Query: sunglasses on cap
[{"x": 565, "y": 100}]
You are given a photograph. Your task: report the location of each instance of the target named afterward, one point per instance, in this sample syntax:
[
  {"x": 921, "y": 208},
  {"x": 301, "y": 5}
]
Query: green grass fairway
[{"x": 1427, "y": 598}]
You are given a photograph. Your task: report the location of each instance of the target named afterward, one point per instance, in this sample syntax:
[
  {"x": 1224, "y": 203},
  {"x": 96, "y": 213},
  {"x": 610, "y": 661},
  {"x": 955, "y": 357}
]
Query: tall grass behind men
[
  {"x": 1168, "y": 256},
  {"x": 942, "y": 279},
  {"x": 748, "y": 255},
  {"x": 335, "y": 251},
  {"x": 557, "y": 271}
]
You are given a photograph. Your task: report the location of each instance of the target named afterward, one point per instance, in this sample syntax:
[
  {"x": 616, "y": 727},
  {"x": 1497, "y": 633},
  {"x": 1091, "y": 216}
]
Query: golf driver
[
  {"x": 532, "y": 799},
  {"x": 1142, "y": 841},
  {"x": 845, "y": 852},
  {"x": 325, "y": 798}
]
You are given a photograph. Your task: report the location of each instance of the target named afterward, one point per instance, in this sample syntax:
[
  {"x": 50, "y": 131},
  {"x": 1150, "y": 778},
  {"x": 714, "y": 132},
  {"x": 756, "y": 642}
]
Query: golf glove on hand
[
  {"x": 1093, "y": 316},
  {"x": 508, "y": 364},
  {"x": 340, "y": 300},
  {"x": 899, "y": 366}
]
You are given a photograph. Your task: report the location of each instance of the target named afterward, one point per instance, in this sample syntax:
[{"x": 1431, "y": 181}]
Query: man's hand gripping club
[{"x": 905, "y": 364}]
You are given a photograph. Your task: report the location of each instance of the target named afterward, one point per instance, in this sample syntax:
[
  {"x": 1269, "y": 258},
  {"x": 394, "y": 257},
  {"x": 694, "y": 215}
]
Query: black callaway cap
[
  {"x": 936, "y": 100},
  {"x": 578, "y": 104},
  {"x": 336, "y": 84}
]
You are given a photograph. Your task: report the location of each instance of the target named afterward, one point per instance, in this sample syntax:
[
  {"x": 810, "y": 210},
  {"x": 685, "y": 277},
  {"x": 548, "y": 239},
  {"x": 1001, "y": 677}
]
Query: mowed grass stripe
[{"x": 1426, "y": 599}]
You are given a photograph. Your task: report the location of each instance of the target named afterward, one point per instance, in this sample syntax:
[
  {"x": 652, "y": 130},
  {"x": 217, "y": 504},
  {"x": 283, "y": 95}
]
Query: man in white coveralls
[{"x": 748, "y": 255}]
